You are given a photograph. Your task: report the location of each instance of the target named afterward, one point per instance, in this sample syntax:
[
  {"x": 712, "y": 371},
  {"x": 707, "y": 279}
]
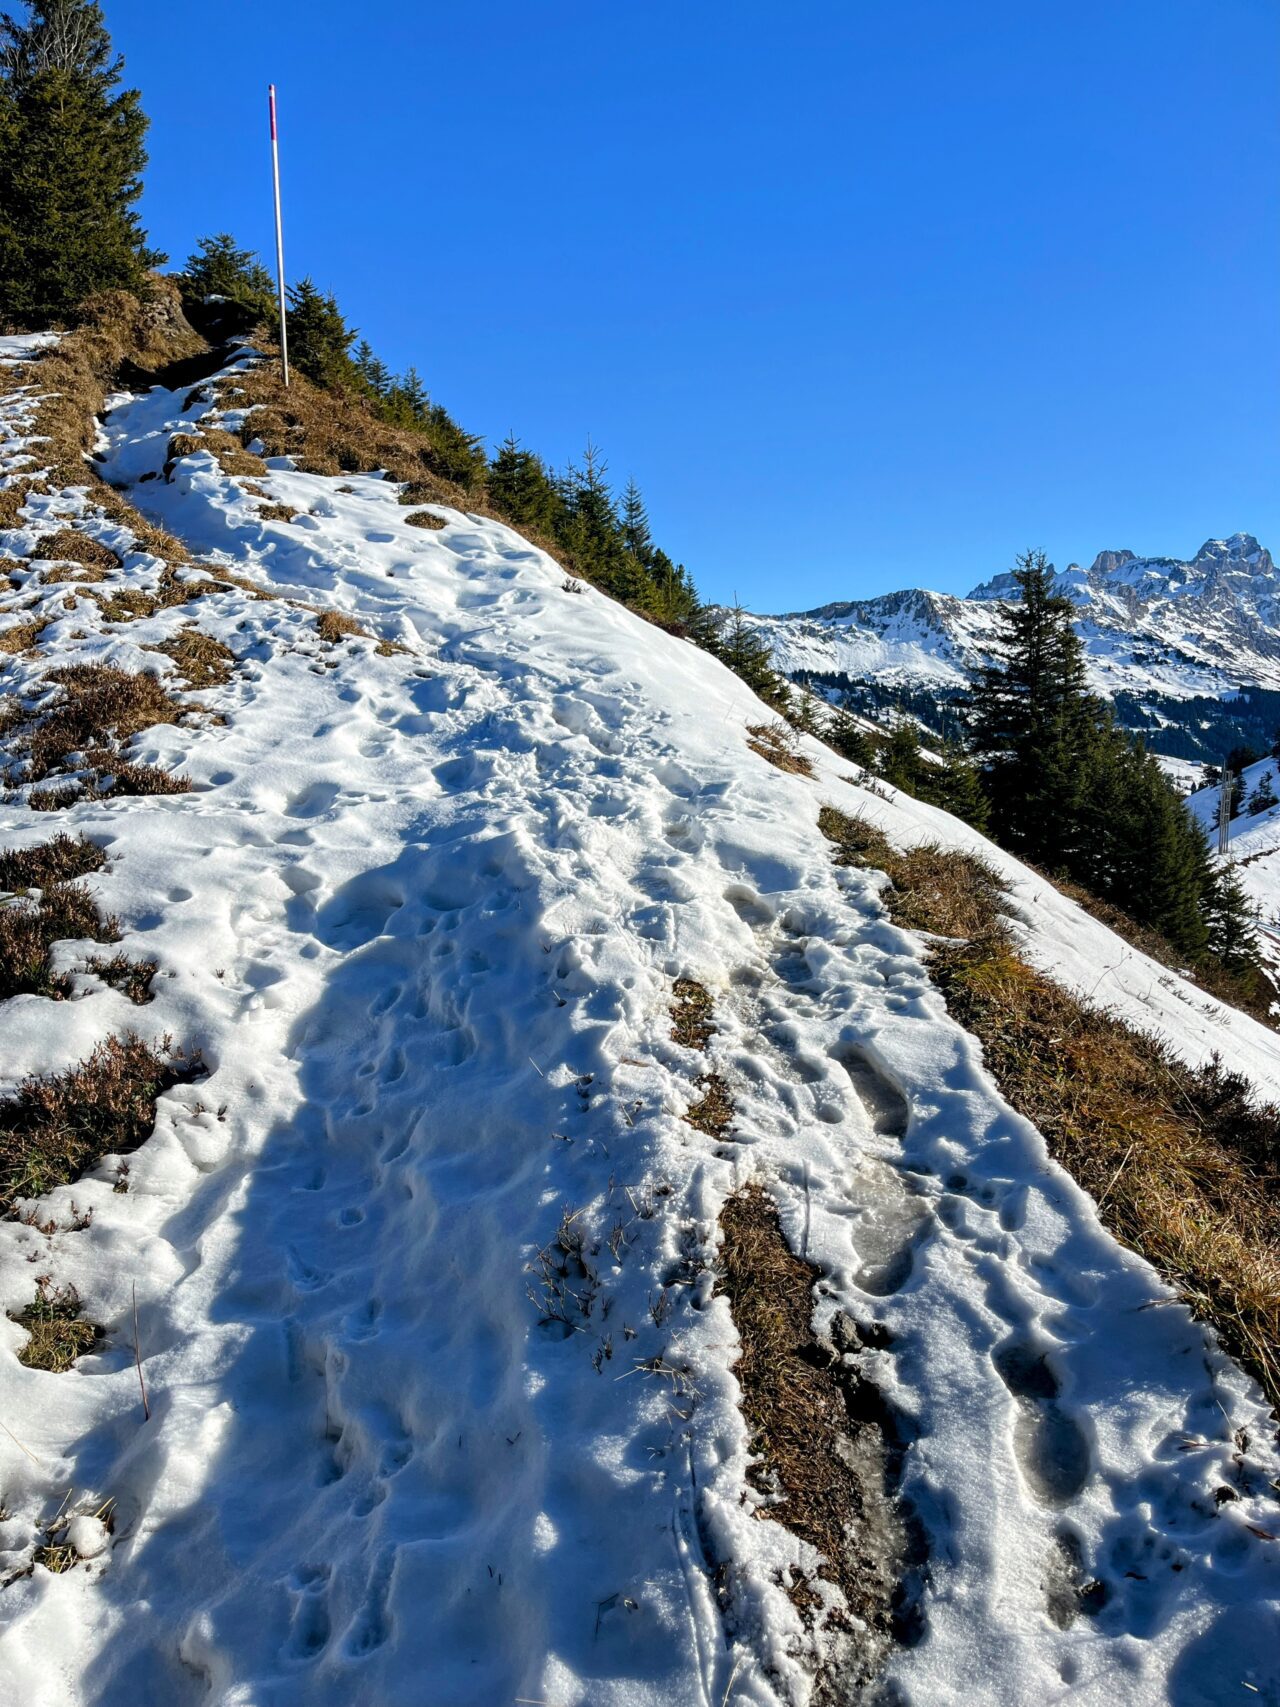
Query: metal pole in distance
[
  {"x": 1224, "y": 811},
  {"x": 275, "y": 173}
]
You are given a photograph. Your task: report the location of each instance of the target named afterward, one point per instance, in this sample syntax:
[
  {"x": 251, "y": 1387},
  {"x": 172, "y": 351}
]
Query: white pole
[{"x": 275, "y": 173}]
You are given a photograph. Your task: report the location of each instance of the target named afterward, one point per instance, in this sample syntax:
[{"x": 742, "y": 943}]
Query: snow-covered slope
[
  {"x": 1150, "y": 627},
  {"x": 423, "y": 912},
  {"x": 1254, "y": 845}
]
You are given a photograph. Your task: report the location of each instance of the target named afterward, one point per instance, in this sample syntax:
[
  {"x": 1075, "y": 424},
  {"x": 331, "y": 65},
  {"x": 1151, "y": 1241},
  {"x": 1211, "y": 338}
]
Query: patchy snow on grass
[{"x": 441, "y": 1400}]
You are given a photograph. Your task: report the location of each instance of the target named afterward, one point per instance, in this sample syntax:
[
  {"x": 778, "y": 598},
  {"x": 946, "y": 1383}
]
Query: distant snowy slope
[{"x": 423, "y": 912}]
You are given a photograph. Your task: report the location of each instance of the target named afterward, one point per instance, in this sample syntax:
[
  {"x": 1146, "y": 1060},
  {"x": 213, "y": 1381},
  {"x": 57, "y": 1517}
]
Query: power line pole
[{"x": 275, "y": 173}]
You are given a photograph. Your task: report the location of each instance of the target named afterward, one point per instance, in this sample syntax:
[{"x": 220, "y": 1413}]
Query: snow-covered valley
[{"x": 422, "y": 913}]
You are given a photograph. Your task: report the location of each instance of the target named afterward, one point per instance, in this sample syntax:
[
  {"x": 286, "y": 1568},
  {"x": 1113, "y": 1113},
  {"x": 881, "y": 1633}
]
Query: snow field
[{"x": 422, "y": 913}]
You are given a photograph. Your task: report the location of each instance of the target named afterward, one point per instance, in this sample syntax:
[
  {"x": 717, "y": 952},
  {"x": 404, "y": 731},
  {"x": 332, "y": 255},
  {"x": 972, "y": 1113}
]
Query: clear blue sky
[{"x": 865, "y": 294}]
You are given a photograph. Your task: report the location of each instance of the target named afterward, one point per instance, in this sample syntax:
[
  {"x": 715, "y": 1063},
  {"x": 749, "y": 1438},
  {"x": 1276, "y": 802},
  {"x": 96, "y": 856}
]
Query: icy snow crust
[{"x": 422, "y": 913}]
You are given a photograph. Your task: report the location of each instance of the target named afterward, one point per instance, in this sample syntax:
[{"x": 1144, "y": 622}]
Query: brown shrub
[
  {"x": 64, "y": 912},
  {"x": 133, "y": 978},
  {"x": 57, "y": 861},
  {"x": 58, "y": 1125},
  {"x": 59, "y": 1333},
  {"x": 107, "y": 778}
]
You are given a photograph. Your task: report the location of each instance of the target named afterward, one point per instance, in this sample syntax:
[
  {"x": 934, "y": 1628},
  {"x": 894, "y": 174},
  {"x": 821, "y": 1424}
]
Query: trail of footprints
[{"x": 895, "y": 1213}]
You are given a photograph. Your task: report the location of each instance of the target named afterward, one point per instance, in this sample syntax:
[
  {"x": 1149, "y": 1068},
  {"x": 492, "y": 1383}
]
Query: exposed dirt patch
[
  {"x": 691, "y": 1014},
  {"x": 824, "y": 1462}
]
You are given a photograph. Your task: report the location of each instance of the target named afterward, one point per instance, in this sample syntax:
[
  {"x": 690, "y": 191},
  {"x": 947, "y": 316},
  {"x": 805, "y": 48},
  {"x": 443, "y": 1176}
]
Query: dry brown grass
[
  {"x": 955, "y": 895},
  {"x": 691, "y": 1014},
  {"x": 202, "y": 661},
  {"x": 22, "y": 636},
  {"x": 14, "y": 495},
  {"x": 276, "y": 512},
  {"x": 1183, "y": 1164},
  {"x": 328, "y": 432},
  {"x": 57, "y": 1126},
  {"x": 425, "y": 519},
  {"x": 73, "y": 377},
  {"x": 59, "y": 860},
  {"x": 335, "y": 625},
  {"x": 58, "y": 1332},
  {"x": 110, "y": 778},
  {"x": 82, "y": 574},
  {"x": 777, "y": 743},
  {"x": 817, "y": 1435},
  {"x": 68, "y": 545},
  {"x": 126, "y": 604},
  {"x": 226, "y": 450}
]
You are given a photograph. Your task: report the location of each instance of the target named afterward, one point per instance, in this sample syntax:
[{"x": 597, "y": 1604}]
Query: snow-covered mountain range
[{"x": 1162, "y": 636}]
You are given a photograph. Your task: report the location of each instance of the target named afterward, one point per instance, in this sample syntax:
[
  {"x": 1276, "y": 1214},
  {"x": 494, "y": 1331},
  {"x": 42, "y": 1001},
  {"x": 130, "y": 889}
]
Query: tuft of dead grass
[
  {"x": 126, "y": 604},
  {"x": 276, "y": 512},
  {"x": 1183, "y": 1163},
  {"x": 69, "y": 545},
  {"x": 691, "y": 1014},
  {"x": 947, "y": 894},
  {"x": 777, "y": 742},
  {"x": 98, "y": 705},
  {"x": 58, "y": 1125},
  {"x": 425, "y": 519},
  {"x": 818, "y": 1436},
  {"x": 58, "y": 1332},
  {"x": 22, "y": 636},
  {"x": 14, "y": 495},
  {"x": 202, "y": 660},
  {"x": 335, "y": 625},
  {"x": 111, "y": 778}
]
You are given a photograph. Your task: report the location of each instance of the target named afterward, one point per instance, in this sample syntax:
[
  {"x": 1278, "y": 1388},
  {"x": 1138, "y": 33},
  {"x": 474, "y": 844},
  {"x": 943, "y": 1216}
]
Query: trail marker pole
[
  {"x": 275, "y": 174},
  {"x": 1224, "y": 811}
]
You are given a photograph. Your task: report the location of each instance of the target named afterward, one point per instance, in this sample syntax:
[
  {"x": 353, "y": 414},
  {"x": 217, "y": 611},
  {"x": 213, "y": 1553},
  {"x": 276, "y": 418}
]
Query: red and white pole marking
[{"x": 275, "y": 173}]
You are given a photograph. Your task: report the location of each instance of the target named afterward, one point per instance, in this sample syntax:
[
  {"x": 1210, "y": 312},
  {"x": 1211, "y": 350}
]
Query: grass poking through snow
[
  {"x": 58, "y": 1125},
  {"x": 58, "y": 1332}
]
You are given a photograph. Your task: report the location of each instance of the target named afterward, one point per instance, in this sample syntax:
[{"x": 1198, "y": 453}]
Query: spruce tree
[
  {"x": 523, "y": 491},
  {"x": 845, "y": 736},
  {"x": 319, "y": 338},
  {"x": 1263, "y": 797},
  {"x": 900, "y": 762},
  {"x": 636, "y": 537},
  {"x": 219, "y": 268},
  {"x": 71, "y": 160},
  {"x": 748, "y": 656},
  {"x": 1033, "y": 722}
]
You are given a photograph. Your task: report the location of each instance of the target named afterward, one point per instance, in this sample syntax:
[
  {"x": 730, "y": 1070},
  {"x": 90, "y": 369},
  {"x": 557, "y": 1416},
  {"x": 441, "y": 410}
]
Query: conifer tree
[
  {"x": 523, "y": 491},
  {"x": 955, "y": 786},
  {"x": 846, "y": 737},
  {"x": 319, "y": 338},
  {"x": 71, "y": 159},
  {"x": 1263, "y": 797},
  {"x": 219, "y": 268},
  {"x": 899, "y": 760},
  {"x": 748, "y": 656},
  {"x": 1033, "y": 722},
  {"x": 636, "y": 537}
]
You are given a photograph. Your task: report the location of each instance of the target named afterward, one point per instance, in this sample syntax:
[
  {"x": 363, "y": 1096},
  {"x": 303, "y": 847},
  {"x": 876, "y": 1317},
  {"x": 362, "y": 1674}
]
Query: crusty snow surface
[{"x": 422, "y": 913}]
